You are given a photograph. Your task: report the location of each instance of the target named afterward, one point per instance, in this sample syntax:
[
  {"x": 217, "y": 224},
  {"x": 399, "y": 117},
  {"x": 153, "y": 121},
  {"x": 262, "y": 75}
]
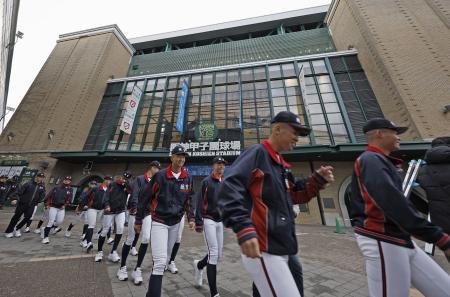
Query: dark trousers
[{"x": 21, "y": 209}]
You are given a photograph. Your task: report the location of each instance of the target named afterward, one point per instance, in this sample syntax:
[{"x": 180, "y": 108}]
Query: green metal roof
[{"x": 235, "y": 52}]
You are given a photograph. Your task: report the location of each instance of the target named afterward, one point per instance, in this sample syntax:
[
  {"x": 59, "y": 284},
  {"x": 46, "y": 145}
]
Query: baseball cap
[
  {"x": 179, "y": 150},
  {"x": 381, "y": 123},
  {"x": 68, "y": 177},
  {"x": 155, "y": 164},
  {"x": 40, "y": 174},
  {"x": 293, "y": 120},
  {"x": 108, "y": 177},
  {"x": 127, "y": 174},
  {"x": 219, "y": 160}
]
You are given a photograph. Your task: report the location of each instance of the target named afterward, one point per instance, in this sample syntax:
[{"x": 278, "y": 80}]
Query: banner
[
  {"x": 301, "y": 78},
  {"x": 182, "y": 106},
  {"x": 130, "y": 112}
]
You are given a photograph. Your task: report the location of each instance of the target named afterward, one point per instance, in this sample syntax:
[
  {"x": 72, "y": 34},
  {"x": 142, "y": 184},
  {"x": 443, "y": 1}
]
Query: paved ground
[{"x": 332, "y": 266}]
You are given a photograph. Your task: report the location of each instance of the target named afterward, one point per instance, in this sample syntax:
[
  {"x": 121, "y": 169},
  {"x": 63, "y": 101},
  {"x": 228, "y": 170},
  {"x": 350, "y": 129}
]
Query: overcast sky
[{"x": 42, "y": 21}]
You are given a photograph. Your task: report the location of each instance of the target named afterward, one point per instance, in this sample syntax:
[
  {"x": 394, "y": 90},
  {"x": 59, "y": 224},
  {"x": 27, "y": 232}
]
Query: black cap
[
  {"x": 15, "y": 177},
  {"x": 108, "y": 177},
  {"x": 293, "y": 120},
  {"x": 381, "y": 123},
  {"x": 219, "y": 160},
  {"x": 40, "y": 174},
  {"x": 155, "y": 164},
  {"x": 127, "y": 174},
  {"x": 68, "y": 177},
  {"x": 179, "y": 150}
]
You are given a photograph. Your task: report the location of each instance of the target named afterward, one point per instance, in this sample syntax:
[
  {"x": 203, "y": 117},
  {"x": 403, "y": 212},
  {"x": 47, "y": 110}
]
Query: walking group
[{"x": 255, "y": 197}]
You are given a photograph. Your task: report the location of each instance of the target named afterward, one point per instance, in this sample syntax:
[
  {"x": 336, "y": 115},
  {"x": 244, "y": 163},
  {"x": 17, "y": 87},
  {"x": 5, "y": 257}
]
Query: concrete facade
[{"x": 404, "y": 48}]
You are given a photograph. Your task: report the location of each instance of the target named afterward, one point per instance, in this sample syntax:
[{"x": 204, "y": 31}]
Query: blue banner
[{"x": 182, "y": 106}]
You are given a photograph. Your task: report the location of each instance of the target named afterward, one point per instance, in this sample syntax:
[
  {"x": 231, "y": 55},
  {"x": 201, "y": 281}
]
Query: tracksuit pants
[
  {"x": 391, "y": 269},
  {"x": 21, "y": 209}
]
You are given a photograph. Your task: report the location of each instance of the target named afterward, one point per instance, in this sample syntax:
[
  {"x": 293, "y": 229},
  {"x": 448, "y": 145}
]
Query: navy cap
[
  {"x": 40, "y": 174},
  {"x": 127, "y": 174},
  {"x": 218, "y": 159},
  {"x": 293, "y": 120},
  {"x": 68, "y": 177},
  {"x": 155, "y": 164},
  {"x": 108, "y": 177},
  {"x": 381, "y": 123},
  {"x": 179, "y": 150}
]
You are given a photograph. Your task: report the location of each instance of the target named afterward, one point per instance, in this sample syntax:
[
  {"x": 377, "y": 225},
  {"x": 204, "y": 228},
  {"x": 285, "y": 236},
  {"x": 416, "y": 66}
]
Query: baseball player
[
  {"x": 28, "y": 196},
  {"x": 167, "y": 197},
  {"x": 384, "y": 220},
  {"x": 3, "y": 190},
  {"x": 256, "y": 199},
  {"x": 115, "y": 200},
  {"x": 56, "y": 201},
  {"x": 208, "y": 220},
  {"x": 81, "y": 212},
  {"x": 138, "y": 186}
]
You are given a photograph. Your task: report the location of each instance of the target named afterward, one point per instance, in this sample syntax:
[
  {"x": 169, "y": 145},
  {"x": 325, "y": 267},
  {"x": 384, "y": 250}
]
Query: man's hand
[
  {"x": 137, "y": 228},
  {"x": 198, "y": 228},
  {"x": 250, "y": 248},
  {"x": 107, "y": 210},
  {"x": 192, "y": 225},
  {"x": 327, "y": 173},
  {"x": 13, "y": 202}
]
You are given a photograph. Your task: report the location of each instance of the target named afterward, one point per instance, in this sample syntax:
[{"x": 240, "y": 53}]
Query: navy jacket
[
  {"x": 138, "y": 186},
  {"x": 206, "y": 204},
  {"x": 59, "y": 196},
  {"x": 116, "y": 196},
  {"x": 167, "y": 198},
  {"x": 31, "y": 193},
  {"x": 380, "y": 210},
  {"x": 434, "y": 178},
  {"x": 94, "y": 198},
  {"x": 257, "y": 195},
  {"x": 12, "y": 188}
]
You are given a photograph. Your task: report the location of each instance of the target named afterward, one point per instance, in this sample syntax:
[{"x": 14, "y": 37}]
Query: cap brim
[
  {"x": 185, "y": 154},
  {"x": 301, "y": 130},
  {"x": 400, "y": 130},
  {"x": 221, "y": 161}
]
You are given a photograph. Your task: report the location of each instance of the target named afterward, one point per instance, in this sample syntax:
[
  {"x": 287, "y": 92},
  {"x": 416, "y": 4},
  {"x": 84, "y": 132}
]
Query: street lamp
[{"x": 19, "y": 35}]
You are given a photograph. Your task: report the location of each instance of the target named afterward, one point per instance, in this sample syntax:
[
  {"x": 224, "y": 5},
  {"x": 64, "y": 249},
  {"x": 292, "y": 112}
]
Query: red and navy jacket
[
  {"x": 138, "y": 186},
  {"x": 116, "y": 196},
  {"x": 206, "y": 204},
  {"x": 378, "y": 207},
  {"x": 59, "y": 196},
  {"x": 167, "y": 198},
  {"x": 94, "y": 198},
  {"x": 257, "y": 195}
]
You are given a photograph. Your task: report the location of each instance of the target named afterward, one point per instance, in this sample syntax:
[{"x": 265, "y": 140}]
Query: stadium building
[{"x": 103, "y": 103}]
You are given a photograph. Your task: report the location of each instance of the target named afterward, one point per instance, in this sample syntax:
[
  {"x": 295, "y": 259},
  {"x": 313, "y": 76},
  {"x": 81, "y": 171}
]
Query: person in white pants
[
  {"x": 56, "y": 201},
  {"x": 384, "y": 220},
  {"x": 167, "y": 197},
  {"x": 138, "y": 186},
  {"x": 207, "y": 219},
  {"x": 115, "y": 201},
  {"x": 171, "y": 266}
]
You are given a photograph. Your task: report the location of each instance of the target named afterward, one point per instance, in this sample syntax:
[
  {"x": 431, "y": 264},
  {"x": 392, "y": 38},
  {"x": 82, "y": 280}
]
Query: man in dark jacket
[
  {"x": 434, "y": 178},
  {"x": 384, "y": 220},
  {"x": 26, "y": 197},
  {"x": 115, "y": 201},
  {"x": 56, "y": 201},
  {"x": 256, "y": 198},
  {"x": 3, "y": 190},
  {"x": 167, "y": 197}
]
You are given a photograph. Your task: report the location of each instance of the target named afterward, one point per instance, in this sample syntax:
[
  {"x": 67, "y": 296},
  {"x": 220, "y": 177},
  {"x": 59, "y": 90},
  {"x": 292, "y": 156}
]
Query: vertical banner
[
  {"x": 301, "y": 79},
  {"x": 182, "y": 106},
  {"x": 130, "y": 112}
]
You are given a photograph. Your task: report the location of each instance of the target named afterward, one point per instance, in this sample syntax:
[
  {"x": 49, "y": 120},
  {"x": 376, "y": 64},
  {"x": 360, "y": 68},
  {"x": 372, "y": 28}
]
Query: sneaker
[
  {"x": 114, "y": 257},
  {"x": 27, "y": 230},
  {"x": 9, "y": 235},
  {"x": 89, "y": 247},
  {"x": 17, "y": 233},
  {"x": 37, "y": 231},
  {"x": 83, "y": 244},
  {"x": 67, "y": 233},
  {"x": 134, "y": 251},
  {"x": 110, "y": 240},
  {"x": 198, "y": 274},
  {"x": 45, "y": 240},
  {"x": 56, "y": 230},
  {"x": 137, "y": 276},
  {"x": 99, "y": 256},
  {"x": 122, "y": 273},
  {"x": 172, "y": 267}
]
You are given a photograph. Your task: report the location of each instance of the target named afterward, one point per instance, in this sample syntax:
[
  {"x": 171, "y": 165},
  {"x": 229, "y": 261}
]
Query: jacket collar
[
  {"x": 397, "y": 162},
  {"x": 147, "y": 178},
  {"x": 274, "y": 155},
  {"x": 215, "y": 177},
  {"x": 102, "y": 187},
  {"x": 169, "y": 174}
]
